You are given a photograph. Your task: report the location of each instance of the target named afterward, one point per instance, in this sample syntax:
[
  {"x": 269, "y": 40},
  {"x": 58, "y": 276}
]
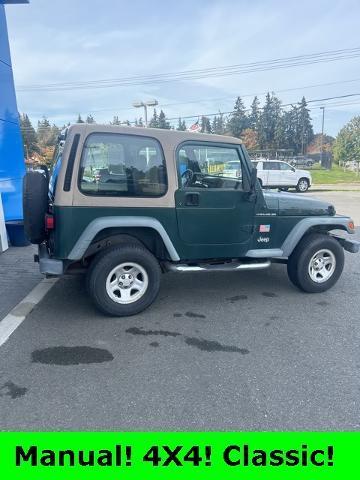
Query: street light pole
[
  {"x": 149, "y": 103},
  {"x": 322, "y": 134},
  {"x": 145, "y": 115}
]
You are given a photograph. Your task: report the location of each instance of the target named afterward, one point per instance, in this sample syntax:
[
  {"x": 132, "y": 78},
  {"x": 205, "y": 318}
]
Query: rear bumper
[{"x": 47, "y": 265}]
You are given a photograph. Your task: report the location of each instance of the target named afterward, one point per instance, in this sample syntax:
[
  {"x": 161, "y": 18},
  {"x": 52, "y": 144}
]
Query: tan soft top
[
  {"x": 169, "y": 139},
  {"x": 173, "y": 137}
]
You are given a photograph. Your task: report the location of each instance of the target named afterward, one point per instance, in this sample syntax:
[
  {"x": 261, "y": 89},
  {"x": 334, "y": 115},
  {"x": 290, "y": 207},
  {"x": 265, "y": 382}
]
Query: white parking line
[{"x": 14, "y": 319}]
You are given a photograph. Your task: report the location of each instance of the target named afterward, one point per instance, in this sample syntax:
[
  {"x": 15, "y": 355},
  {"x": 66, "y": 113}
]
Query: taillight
[{"x": 49, "y": 222}]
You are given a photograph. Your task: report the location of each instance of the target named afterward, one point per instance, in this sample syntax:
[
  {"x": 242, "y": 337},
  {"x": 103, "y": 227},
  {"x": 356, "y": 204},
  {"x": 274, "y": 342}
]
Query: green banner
[{"x": 211, "y": 455}]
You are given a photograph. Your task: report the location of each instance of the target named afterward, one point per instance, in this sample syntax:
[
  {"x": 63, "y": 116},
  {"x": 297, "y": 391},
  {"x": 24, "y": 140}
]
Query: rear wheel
[
  {"x": 124, "y": 280},
  {"x": 316, "y": 264},
  {"x": 303, "y": 185}
]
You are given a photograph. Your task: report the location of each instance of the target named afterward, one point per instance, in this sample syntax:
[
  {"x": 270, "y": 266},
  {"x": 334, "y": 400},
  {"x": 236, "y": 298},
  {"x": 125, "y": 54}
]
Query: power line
[
  {"x": 239, "y": 69},
  {"x": 163, "y": 105},
  {"x": 318, "y": 100}
]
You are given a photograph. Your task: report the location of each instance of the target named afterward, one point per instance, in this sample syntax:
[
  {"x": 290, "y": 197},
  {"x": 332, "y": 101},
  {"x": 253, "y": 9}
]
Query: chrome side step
[{"x": 218, "y": 267}]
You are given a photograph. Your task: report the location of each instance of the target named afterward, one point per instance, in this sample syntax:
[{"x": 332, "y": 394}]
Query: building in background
[{"x": 12, "y": 166}]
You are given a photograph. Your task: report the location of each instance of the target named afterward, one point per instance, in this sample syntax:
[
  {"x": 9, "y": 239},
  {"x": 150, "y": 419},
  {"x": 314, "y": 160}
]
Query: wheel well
[
  {"x": 325, "y": 229},
  {"x": 144, "y": 236}
]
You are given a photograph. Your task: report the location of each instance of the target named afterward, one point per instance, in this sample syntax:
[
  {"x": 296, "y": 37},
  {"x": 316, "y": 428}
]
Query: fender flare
[
  {"x": 304, "y": 225},
  {"x": 297, "y": 233},
  {"x": 101, "y": 223}
]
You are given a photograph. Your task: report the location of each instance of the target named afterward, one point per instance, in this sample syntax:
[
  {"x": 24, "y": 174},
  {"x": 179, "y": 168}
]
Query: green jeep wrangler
[{"x": 127, "y": 204}]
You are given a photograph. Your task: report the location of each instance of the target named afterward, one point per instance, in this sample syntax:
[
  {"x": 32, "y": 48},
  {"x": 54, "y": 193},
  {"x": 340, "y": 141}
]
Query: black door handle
[{"x": 192, "y": 199}]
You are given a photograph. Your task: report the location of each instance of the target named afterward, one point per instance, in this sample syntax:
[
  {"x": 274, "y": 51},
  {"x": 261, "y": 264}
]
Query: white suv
[{"x": 276, "y": 174}]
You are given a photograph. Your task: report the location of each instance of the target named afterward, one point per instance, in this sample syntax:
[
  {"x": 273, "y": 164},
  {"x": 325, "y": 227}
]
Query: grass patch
[{"x": 333, "y": 176}]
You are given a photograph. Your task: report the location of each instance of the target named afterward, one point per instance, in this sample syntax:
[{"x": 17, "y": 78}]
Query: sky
[{"x": 88, "y": 40}]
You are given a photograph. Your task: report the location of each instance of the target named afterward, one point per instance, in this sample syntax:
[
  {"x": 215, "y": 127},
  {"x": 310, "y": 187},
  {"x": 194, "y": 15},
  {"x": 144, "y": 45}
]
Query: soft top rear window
[{"x": 122, "y": 165}]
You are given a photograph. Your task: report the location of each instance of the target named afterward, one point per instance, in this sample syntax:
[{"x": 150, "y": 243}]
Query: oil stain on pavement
[
  {"x": 194, "y": 315},
  {"x": 140, "y": 331},
  {"x": 200, "y": 343},
  {"x": 9, "y": 389},
  {"x": 269, "y": 294},
  {"x": 71, "y": 355},
  {"x": 213, "y": 346},
  {"x": 236, "y": 298}
]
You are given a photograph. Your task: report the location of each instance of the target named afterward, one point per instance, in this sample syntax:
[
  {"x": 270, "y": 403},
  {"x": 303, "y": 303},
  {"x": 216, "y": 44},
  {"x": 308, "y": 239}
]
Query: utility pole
[
  {"x": 322, "y": 135},
  {"x": 149, "y": 103}
]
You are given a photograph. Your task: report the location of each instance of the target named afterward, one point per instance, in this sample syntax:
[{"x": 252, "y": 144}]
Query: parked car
[
  {"x": 232, "y": 169},
  {"x": 302, "y": 162},
  {"x": 277, "y": 174},
  {"x": 353, "y": 165},
  {"x": 168, "y": 207}
]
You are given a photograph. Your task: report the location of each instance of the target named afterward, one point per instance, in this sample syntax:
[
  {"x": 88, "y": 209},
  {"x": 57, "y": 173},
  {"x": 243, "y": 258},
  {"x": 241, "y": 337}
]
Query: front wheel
[
  {"x": 124, "y": 280},
  {"x": 303, "y": 185},
  {"x": 316, "y": 263}
]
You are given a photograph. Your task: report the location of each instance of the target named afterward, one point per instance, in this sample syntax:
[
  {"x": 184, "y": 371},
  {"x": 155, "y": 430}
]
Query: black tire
[
  {"x": 35, "y": 205},
  {"x": 105, "y": 262},
  {"x": 299, "y": 261},
  {"x": 300, "y": 187}
]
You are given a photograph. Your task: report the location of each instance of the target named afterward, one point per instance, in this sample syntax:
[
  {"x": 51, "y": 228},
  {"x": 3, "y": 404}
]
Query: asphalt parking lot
[{"x": 217, "y": 351}]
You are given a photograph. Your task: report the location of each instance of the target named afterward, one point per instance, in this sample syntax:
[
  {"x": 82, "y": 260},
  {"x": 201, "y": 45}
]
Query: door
[
  {"x": 288, "y": 174},
  {"x": 213, "y": 210},
  {"x": 273, "y": 173}
]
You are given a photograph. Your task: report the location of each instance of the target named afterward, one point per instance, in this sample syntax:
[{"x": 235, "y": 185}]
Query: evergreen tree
[
  {"x": 205, "y": 125},
  {"x": 268, "y": 121},
  {"x": 154, "y": 122},
  {"x": 306, "y": 132},
  {"x": 218, "y": 124},
  {"x": 238, "y": 120},
  {"x": 90, "y": 119},
  {"x": 29, "y": 136},
  {"x": 44, "y": 133},
  {"x": 254, "y": 116},
  {"x": 181, "y": 125},
  {"x": 116, "y": 121},
  {"x": 79, "y": 119},
  {"x": 163, "y": 123}
]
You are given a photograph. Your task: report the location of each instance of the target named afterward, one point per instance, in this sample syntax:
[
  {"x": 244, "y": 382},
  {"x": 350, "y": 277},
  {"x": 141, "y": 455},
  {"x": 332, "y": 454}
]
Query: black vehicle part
[
  {"x": 303, "y": 185},
  {"x": 70, "y": 164},
  {"x": 101, "y": 270},
  {"x": 35, "y": 205},
  {"x": 299, "y": 262}
]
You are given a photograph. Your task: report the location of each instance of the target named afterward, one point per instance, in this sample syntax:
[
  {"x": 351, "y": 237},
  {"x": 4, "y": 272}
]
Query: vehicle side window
[
  {"x": 285, "y": 166},
  {"x": 209, "y": 166},
  {"x": 271, "y": 166},
  {"x": 122, "y": 165}
]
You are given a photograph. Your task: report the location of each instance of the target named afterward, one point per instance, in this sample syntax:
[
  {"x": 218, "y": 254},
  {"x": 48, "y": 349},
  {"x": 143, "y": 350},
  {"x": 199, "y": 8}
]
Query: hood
[
  {"x": 304, "y": 173},
  {"x": 292, "y": 204}
]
